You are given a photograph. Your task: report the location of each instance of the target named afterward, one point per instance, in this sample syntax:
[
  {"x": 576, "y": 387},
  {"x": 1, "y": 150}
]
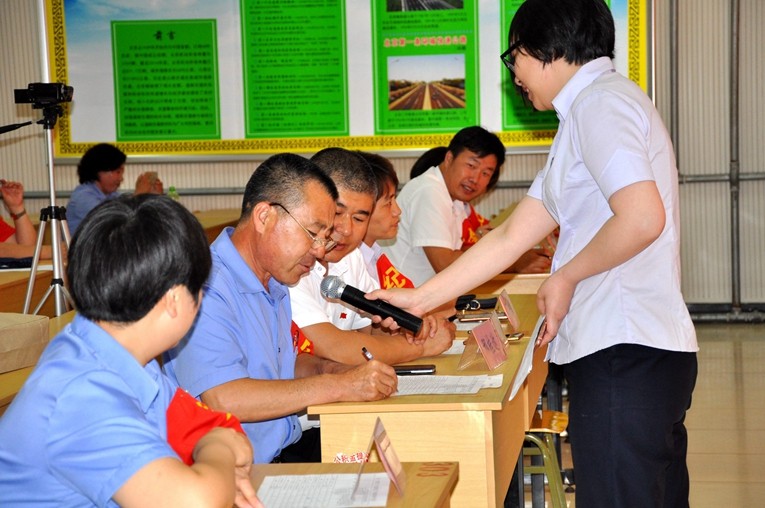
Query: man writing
[{"x": 240, "y": 356}]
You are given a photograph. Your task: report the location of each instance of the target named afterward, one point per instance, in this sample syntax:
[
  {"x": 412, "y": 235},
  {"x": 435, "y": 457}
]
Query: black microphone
[{"x": 334, "y": 287}]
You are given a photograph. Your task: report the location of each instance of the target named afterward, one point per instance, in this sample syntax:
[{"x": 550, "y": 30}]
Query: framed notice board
[{"x": 222, "y": 77}]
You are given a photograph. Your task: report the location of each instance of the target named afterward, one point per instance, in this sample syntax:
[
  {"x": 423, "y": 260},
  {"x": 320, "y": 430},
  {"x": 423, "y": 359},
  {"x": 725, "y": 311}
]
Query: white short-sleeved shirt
[
  {"x": 309, "y": 307},
  {"x": 370, "y": 256},
  {"x": 610, "y": 136},
  {"x": 429, "y": 218}
]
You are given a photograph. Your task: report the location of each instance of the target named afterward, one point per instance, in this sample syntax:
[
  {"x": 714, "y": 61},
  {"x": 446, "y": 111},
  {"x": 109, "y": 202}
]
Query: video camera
[{"x": 41, "y": 95}]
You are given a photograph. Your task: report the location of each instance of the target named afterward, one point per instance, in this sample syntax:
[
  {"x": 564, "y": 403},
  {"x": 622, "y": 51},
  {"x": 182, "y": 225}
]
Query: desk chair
[{"x": 539, "y": 442}]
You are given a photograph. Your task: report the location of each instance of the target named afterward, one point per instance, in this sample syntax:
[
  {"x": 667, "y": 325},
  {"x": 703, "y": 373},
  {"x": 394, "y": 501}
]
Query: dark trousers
[
  {"x": 306, "y": 449},
  {"x": 627, "y": 405}
]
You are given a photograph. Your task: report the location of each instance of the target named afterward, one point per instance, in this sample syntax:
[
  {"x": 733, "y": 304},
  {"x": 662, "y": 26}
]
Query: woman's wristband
[{"x": 17, "y": 216}]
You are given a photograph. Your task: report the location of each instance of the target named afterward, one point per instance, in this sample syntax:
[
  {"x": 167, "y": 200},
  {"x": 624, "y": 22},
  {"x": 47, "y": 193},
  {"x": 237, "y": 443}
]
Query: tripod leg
[
  {"x": 65, "y": 231},
  {"x": 35, "y": 261},
  {"x": 42, "y": 300},
  {"x": 63, "y": 303},
  {"x": 67, "y": 241},
  {"x": 60, "y": 294},
  {"x": 62, "y": 298}
]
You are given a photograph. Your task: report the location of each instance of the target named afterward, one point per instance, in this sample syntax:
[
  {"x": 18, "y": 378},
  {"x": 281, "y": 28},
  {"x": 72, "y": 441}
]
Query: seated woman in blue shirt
[
  {"x": 101, "y": 171},
  {"x": 93, "y": 423}
]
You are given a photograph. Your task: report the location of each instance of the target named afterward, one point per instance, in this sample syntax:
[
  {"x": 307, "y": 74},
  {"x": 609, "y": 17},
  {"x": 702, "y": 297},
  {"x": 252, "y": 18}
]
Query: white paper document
[
  {"x": 466, "y": 326},
  {"x": 524, "y": 369},
  {"x": 458, "y": 347},
  {"x": 324, "y": 490},
  {"x": 446, "y": 385}
]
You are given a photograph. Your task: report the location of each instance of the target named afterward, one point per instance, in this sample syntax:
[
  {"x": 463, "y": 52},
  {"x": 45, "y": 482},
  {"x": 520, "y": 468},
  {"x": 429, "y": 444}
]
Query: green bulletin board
[{"x": 223, "y": 77}]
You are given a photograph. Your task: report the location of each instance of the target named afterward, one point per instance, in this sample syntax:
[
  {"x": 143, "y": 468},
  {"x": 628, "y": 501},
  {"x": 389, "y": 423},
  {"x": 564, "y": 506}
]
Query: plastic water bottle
[{"x": 172, "y": 193}]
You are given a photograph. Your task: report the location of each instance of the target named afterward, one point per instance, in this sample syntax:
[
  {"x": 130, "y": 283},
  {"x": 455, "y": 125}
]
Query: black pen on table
[{"x": 367, "y": 354}]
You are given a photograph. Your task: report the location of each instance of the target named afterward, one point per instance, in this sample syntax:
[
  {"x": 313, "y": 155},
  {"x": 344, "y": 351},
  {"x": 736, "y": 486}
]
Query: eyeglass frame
[
  {"x": 327, "y": 243},
  {"x": 507, "y": 57}
]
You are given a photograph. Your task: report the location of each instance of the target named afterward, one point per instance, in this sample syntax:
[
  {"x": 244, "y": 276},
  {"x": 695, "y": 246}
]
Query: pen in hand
[{"x": 367, "y": 354}]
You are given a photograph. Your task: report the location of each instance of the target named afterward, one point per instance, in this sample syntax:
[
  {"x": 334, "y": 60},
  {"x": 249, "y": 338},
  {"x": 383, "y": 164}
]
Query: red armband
[
  {"x": 188, "y": 420},
  {"x": 470, "y": 227},
  {"x": 300, "y": 342},
  {"x": 389, "y": 276}
]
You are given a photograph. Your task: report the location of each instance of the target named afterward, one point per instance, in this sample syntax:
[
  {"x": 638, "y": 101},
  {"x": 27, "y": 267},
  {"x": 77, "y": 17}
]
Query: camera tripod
[{"x": 56, "y": 215}]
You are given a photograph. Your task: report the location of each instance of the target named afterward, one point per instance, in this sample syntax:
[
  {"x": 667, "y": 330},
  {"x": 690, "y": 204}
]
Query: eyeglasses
[
  {"x": 507, "y": 57},
  {"x": 326, "y": 243}
]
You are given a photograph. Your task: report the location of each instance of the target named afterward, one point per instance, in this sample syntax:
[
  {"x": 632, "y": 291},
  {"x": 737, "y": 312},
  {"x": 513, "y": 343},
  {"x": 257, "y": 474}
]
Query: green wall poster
[
  {"x": 165, "y": 80},
  {"x": 425, "y": 66},
  {"x": 222, "y": 77},
  {"x": 295, "y": 73}
]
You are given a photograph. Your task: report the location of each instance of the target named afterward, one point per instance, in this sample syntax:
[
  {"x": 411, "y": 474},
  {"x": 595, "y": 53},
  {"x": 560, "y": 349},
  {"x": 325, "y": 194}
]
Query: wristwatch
[{"x": 17, "y": 216}]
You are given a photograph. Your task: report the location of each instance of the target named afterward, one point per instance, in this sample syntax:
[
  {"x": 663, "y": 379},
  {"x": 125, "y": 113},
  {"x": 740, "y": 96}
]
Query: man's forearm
[
  {"x": 253, "y": 400},
  {"x": 440, "y": 257}
]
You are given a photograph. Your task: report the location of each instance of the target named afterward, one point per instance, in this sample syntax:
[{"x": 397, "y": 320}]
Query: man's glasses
[
  {"x": 326, "y": 243},
  {"x": 508, "y": 58}
]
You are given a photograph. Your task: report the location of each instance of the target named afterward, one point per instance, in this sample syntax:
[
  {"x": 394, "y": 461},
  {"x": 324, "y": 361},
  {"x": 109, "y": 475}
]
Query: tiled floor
[{"x": 726, "y": 423}]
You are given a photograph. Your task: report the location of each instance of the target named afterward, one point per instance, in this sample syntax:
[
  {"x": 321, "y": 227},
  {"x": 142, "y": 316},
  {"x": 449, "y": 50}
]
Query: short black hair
[
  {"x": 281, "y": 179},
  {"x": 481, "y": 142},
  {"x": 101, "y": 157},
  {"x": 129, "y": 251},
  {"x": 427, "y": 160},
  {"x": 383, "y": 171},
  {"x": 347, "y": 169},
  {"x": 576, "y": 30}
]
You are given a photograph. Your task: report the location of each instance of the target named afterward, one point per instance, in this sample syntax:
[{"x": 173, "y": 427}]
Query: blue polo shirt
[
  {"x": 242, "y": 331},
  {"x": 85, "y": 197},
  {"x": 87, "y": 419}
]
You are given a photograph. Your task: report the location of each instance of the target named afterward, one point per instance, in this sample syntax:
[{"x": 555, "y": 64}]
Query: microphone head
[{"x": 332, "y": 286}]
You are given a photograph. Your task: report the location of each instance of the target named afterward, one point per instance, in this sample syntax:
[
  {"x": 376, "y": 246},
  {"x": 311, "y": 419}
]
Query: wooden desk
[
  {"x": 428, "y": 484},
  {"x": 214, "y": 221},
  {"x": 514, "y": 283},
  {"x": 11, "y": 382},
  {"x": 483, "y": 432},
  {"x": 13, "y": 290}
]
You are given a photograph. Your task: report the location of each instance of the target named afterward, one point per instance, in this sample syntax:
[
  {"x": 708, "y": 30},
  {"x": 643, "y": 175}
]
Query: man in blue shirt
[
  {"x": 89, "y": 427},
  {"x": 241, "y": 356}
]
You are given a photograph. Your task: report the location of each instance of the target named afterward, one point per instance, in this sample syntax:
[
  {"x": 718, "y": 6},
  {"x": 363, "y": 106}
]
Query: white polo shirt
[
  {"x": 429, "y": 218},
  {"x": 611, "y": 136},
  {"x": 309, "y": 306}
]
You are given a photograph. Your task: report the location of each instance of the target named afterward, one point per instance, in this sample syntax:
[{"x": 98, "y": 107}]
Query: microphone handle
[{"x": 381, "y": 308}]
